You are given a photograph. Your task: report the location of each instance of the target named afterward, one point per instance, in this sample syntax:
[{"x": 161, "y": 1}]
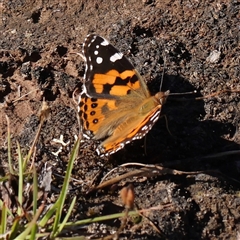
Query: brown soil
[{"x": 38, "y": 41}]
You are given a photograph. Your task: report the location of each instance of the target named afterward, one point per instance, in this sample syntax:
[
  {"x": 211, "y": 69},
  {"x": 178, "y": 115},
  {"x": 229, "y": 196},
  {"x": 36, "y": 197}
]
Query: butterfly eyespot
[
  {"x": 115, "y": 106},
  {"x": 95, "y": 121},
  {"x": 94, "y": 105}
]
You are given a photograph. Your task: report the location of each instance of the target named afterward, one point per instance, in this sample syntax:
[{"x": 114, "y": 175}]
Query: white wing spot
[
  {"x": 99, "y": 60},
  {"x": 155, "y": 117},
  {"x": 93, "y": 39},
  {"x": 116, "y": 57},
  {"x": 98, "y": 152},
  {"x": 86, "y": 136},
  {"x": 84, "y": 89},
  {"x": 145, "y": 128},
  {"x": 86, "y": 68},
  {"x": 104, "y": 43},
  {"x": 97, "y": 46},
  {"x": 96, "y": 52}
]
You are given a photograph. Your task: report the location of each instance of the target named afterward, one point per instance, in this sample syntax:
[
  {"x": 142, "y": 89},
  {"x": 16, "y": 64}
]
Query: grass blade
[
  {"x": 35, "y": 196},
  {"x": 62, "y": 225},
  {"x": 64, "y": 191},
  {"x": 20, "y": 179},
  {"x": 3, "y": 220},
  {"x": 9, "y": 146}
]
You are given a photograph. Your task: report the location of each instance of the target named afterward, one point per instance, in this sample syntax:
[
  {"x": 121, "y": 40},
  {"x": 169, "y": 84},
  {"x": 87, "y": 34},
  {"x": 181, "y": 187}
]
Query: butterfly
[{"x": 115, "y": 105}]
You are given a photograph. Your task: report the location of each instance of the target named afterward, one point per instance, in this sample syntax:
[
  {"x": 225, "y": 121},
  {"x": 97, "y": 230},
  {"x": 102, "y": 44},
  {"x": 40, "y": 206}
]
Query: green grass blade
[
  {"x": 62, "y": 225},
  {"x": 3, "y": 220},
  {"x": 47, "y": 216},
  {"x": 20, "y": 179},
  {"x": 25, "y": 233},
  {"x": 9, "y": 212},
  {"x": 14, "y": 228},
  {"x": 73, "y": 238},
  {"x": 9, "y": 147},
  {"x": 63, "y": 194},
  {"x": 101, "y": 218},
  {"x": 35, "y": 190},
  {"x": 35, "y": 196}
]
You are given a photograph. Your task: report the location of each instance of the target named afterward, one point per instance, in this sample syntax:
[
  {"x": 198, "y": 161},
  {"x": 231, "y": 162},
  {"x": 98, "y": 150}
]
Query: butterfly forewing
[{"x": 108, "y": 72}]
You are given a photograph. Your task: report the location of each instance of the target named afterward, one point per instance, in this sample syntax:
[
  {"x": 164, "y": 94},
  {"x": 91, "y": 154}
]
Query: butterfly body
[{"x": 115, "y": 104}]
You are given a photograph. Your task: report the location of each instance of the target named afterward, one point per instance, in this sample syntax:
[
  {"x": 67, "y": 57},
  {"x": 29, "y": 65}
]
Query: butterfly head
[{"x": 162, "y": 97}]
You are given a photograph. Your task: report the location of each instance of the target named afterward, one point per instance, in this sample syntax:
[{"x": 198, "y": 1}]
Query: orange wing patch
[
  {"x": 116, "y": 83},
  {"x": 119, "y": 90}
]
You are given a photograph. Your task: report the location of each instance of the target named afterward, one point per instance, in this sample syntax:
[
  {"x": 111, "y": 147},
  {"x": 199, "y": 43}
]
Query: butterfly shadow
[
  {"x": 191, "y": 144},
  {"x": 182, "y": 139}
]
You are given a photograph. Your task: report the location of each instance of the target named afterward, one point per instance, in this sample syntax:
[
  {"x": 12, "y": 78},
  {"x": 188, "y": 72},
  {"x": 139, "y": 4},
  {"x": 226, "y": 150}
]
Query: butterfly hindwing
[{"x": 135, "y": 128}]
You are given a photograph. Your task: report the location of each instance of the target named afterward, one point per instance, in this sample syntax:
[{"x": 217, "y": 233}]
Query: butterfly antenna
[
  {"x": 218, "y": 93},
  {"x": 183, "y": 93}
]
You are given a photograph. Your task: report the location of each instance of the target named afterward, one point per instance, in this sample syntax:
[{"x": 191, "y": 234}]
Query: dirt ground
[{"x": 197, "y": 46}]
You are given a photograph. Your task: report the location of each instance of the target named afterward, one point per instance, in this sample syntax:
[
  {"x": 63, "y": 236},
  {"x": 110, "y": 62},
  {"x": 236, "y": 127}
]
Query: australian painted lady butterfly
[{"x": 115, "y": 105}]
